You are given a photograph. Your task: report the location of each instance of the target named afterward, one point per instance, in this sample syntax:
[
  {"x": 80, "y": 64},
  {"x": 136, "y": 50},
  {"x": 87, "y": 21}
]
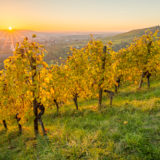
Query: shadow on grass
[
  {"x": 2, "y": 132},
  {"x": 140, "y": 94},
  {"x": 13, "y": 135}
]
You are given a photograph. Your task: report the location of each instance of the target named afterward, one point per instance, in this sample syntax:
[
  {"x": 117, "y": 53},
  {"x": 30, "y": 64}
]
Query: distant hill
[{"x": 123, "y": 39}]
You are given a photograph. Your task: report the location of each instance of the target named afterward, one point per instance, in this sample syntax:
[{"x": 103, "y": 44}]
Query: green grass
[{"x": 129, "y": 130}]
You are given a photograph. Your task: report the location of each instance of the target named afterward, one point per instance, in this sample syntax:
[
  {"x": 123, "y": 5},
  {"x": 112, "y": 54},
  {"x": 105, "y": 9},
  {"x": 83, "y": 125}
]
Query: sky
[{"x": 79, "y": 15}]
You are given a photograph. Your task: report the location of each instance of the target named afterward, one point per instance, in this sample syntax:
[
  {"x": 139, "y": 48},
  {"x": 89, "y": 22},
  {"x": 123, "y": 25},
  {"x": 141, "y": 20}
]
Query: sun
[{"x": 10, "y": 28}]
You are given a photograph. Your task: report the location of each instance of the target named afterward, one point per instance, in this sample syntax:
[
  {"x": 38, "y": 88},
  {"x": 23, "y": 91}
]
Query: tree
[
  {"x": 100, "y": 67},
  {"x": 56, "y": 91},
  {"x": 142, "y": 54},
  {"x": 77, "y": 76},
  {"x": 23, "y": 70}
]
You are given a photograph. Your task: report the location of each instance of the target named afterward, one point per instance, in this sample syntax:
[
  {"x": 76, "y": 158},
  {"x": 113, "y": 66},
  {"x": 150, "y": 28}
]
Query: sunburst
[{"x": 10, "y": 28}]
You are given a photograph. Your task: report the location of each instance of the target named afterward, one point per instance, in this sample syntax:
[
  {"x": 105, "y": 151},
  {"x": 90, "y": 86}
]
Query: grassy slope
[
  {"x": 128, "y": 130},
  {"x": 124, "y": 39}
]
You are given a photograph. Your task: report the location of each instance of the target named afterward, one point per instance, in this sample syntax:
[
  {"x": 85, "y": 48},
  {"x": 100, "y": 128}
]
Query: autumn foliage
[{"x": 28, "y": 85}]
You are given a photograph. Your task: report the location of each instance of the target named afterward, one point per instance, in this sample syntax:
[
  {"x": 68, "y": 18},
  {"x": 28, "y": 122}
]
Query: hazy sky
[{"x": 79, "y": 15}]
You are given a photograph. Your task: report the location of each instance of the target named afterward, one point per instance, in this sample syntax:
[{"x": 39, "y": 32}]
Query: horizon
[
  {"x": 79, "y": 16},
  {"x": 95, "y": 32},
  {"x": 7, "y": 30}
]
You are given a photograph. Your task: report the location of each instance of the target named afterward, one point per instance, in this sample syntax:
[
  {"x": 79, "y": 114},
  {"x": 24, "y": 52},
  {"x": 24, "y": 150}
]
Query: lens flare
[{"x": 10, "y": 28}]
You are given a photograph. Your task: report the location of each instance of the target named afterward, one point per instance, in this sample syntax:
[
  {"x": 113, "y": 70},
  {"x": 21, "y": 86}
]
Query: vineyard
[{"x": 98, "y": 104}]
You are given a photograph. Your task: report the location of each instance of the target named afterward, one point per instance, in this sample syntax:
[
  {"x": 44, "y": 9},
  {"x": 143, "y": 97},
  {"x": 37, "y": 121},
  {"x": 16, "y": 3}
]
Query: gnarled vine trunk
[
  {"x": 35, "y": 103},
  {"x": 5, "y": 124},
  {"x": 75, "y": 99},
  {"x": 111, "y": 95},
  {"x": 42, "y": 110},
  {"x": 147, "y": 75},
  {"x": 35, "y": 110},
  {"x": 117, "y": 86},
  {"x": 19, "y": 125},
  {"x": 148, "y": 79},
  {"x": 102, "y": 79},
  {"x": 100, "y": 98},
  {"x": 57, "y": 106},
  {"x": 141, "y": 80}
]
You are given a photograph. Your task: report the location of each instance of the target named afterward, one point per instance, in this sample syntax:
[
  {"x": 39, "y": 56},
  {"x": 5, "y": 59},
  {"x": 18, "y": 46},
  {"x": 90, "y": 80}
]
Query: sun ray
[
  {"x": 12, "y": 42},
  {"x": 15, "y": 37},
  {"x": 6, "y": 40}
]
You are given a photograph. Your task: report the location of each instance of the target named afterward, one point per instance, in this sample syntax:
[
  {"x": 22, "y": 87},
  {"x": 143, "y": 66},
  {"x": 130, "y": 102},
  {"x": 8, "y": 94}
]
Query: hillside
[
  {"x": 119, "y": 41},
  {"x": 127, "y": 130},
  {"x": 87, "y": 108},
  {"x": 123, "y": 39}
]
